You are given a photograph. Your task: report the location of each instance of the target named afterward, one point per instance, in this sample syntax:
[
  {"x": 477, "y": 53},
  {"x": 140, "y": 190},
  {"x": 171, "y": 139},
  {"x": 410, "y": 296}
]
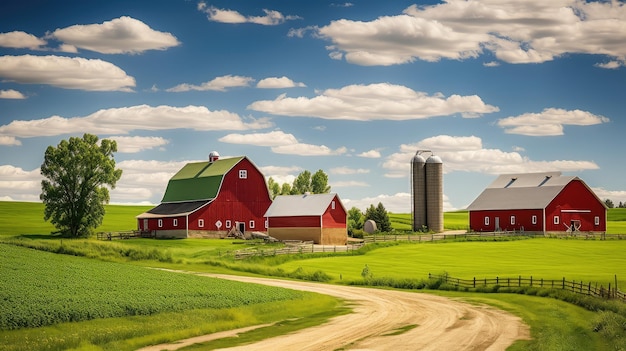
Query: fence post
[
  {"x": 541, "y": 284},
  {"x": 497, "y": 281},
  {"x": 474, "y": 281},
  {"x": 508, "y": 282},
  {"x": 531, "y": 280},
  {"x": 563, "y": 283},
  {"x": 519, "y": 282}
]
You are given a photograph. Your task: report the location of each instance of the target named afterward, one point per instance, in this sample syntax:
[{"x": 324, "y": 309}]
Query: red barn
[
  {"x": 538, "y": 202},
  {"x": 208, "y": 199},
  {"x": 320, "y": 218}
]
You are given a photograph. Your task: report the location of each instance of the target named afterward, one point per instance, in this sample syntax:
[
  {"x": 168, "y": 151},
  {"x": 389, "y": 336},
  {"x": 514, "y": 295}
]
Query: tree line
[
  {"x": 610, "y": 204},
  {"x": 305, "y": 182}
]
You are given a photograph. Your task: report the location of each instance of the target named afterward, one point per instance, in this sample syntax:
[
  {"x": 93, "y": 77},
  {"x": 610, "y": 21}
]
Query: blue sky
[{"x": 352, "y": 88}]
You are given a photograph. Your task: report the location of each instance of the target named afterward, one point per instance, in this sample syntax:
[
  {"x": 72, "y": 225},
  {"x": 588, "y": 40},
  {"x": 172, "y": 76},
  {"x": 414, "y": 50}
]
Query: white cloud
[
  {"x": 467, "y": 154},
  {"x": 217, "y": 84},
  {"x": 65, "y": 72},
  {"x": 21, "y": 40},
  {"x": 381, "y": 101},
  {"x": 9, "y": 141},
  {"x": 396, "y": 203},
  {"x": 549, "y": 122},
  {"x": 348, "y": 184},
  {"x": 275, "y": 83},
  {"x": 348, "y": 171},
  {"x": 308, "y": 150},
  {"x": 11, "y": 94},
  {"x": 370, "y": 154},
  {"x": 126, "y": 144},
  {"x": 531, "y": 31},
  {"x": 126, "y": 119},
  {"x": 616, "y": 196},
  {"x": 118, "y": 36},
  {"x": 275, "y": 138},
  {"x": 611, "y": 65},
  {"x": 270, "y": 18},
  {"x": 17, "y": 184},
  {"x": 281, "y": 174}
]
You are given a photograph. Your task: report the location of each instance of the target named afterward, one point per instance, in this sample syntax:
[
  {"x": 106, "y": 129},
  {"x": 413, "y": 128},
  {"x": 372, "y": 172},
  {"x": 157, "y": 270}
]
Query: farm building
[
  {"x": 320, "y": 218},
  {"x": 209, "y": 199},
  {"x": 538, "y": 202}
]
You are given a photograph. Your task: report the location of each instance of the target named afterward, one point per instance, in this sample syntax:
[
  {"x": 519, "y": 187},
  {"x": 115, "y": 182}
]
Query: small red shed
[
  {"x": 208, "y": 199},
  {"x": 538, "y": 202},
  {"x": 320, "y": 218}
]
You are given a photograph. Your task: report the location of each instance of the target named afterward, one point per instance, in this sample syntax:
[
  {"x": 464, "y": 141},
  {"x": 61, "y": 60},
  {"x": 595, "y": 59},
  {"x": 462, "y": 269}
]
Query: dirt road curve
[{"x": 379, "y": 318}]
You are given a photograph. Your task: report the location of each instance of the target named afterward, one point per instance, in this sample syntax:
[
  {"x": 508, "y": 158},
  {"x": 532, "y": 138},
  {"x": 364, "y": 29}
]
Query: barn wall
[
  {"x": 239, "y": 200},
  {"x": 576, "y": 202},
  {"x": 523, "y": 219},
  {"x": 167, "y": 223},
  {"x": 178, "y": 234},
  {"x": 294, "y": 233},
  {"x": 294, "y": 221},
  {"x": 335, "y": 218},
  {"x": 334, "y": 236}
]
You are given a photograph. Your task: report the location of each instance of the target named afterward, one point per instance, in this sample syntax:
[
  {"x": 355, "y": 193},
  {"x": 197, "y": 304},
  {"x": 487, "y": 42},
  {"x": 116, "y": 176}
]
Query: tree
[
  {"x": 609, "y": 203},
  {"x": 319, "y": 183},
  {"x": 302, "y": 183},
  {"x": 273, "y": 187},
  {"x": 74, "y": 190},
  {"x": 285, "y": 189},
  {"x": 379, "y": 215},
  {"x": 355, "y": 218}
]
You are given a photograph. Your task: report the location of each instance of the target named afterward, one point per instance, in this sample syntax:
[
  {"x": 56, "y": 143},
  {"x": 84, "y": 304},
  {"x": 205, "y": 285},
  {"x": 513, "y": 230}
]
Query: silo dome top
[
  {"x": 434, "y": 159},
  {"x": 418, "y": 159},
  {"x": 214, "y": 156}
]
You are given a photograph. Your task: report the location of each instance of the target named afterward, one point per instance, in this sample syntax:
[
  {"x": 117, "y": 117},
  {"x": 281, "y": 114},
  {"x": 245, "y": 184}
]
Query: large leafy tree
[
  {"x": 319, "y": 183},
  {"x": 355, "y": 218},
  {"x": 74, "y": 191},
  {"x": 273, "y": 187},
  {"x": 302, "y": 183}
]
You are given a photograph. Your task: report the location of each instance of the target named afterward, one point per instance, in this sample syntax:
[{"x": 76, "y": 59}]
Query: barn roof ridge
[{"x": 301, "y": 205}]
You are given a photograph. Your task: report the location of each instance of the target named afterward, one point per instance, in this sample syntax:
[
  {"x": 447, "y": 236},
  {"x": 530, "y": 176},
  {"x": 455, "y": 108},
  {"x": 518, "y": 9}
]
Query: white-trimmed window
[
  {"x": 512, "y": 220},
  {"x": 332, "y": 205},
  {"x": 486, "y": 220},
  {"x": 596, "y": 220},
  {"x": 533, "y": 219},
  {"x": 243, "y": 174},
  {"x": 251, "y": 225},
  {"x": 228, "y": 223},
  {"x": 160, "y": 223},
  {"x": 175, "y": 222},
  {"x": 201, "y": 223},
  {"x": 556, "y": 219},
  {"x": 145, "y": 224},
  {"x": 267, "y": 224}
]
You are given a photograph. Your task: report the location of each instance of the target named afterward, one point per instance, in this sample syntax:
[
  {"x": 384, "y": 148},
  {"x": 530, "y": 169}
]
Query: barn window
[
  {"x": 251, "y": 224},
  {"x": 175, "y": 222},
  {"x": 267, "y": 224},
  {"x": 160, "y": 223},
  {"x": 201, "y": 223},
  {"x": 332, "y": 205},
  {"x": 145, "y": 224},
  {"x": 556, "y": 219},
  {"x": 243, "y": 174},
  {"x": 486, "y": 220},
  {"x": 228, "y": 223},
  {"x": 534, "y": 219},
  {"x": 596, "y": 220}
]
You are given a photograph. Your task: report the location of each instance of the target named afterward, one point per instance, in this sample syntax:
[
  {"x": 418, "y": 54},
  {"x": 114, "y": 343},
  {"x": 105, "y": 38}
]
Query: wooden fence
[
  {"x": 578, "y": 287},
  {"x": 485, "y": 235},
  {"x": 306, "y": 247},
  {"x": 128, "y": 234}
]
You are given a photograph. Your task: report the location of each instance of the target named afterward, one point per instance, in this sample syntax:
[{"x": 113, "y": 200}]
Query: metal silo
[
  {"x": 434, "y": 193},
  {"x": 418, "y": 191}
]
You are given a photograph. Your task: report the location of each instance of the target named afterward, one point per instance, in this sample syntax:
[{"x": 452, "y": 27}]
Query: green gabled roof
[{"x": 198, "y": 180}]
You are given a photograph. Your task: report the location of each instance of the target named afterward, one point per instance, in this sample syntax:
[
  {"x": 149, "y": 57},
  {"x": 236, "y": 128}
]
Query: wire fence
[{"x": 578, "y": 287}]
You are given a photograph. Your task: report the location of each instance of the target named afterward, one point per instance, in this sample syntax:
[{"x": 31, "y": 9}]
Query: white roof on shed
[
  {"x": 300, "y": 205},
  {"x": 521, "y": 191}
]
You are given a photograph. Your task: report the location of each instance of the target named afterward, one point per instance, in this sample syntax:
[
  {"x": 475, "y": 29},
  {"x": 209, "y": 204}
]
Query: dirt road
[{"x": 382, "y": 320}]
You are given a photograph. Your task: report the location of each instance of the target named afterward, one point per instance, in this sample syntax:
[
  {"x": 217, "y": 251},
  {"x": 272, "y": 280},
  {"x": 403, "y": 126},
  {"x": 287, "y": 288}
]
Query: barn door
[
  {"x": 497, "y": 224},
  {"x": 241, "y": 226}
]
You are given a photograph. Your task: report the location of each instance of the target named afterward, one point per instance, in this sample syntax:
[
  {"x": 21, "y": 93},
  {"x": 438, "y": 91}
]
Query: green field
[{"x": 47, "y": 279}]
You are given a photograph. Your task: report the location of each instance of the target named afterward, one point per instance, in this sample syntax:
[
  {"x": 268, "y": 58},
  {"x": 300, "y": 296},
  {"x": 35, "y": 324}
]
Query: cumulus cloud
[
  {"x": 126, "y": 119},
  {"x": 21, "y": 40},
  {"x": 370, "y": 154},
  {"x": 382, "y": 101},
  {"x": 616, "y": 196},
  {"x": 467, "y": 154},
  {"x": 532, "y": 31},
  {"x": 11, "y": 94},
  {"x": 549, "y": 122},
  {"x": 65, "y": 72},
  {"x": 275, "y": 83},
  {"x": 17, "y": 184},
  {"x": 282, "y": 143},
  {"x": 395, "y": 203},
  {"x": 348, "y": 171},
  {"x": 217, "y": 84},
  {"x": 271, "y": 17},
  {"x": 9, "y": 141},
  {"x": 134, "y": 144},
  {"x": 118, "y": 36}
]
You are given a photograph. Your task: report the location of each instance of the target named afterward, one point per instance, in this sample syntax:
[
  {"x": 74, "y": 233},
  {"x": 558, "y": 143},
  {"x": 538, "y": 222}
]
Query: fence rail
[
  {"x": 307, "y": 247},
  {"x": 578, "y": 287},
  {"x": 128, "y": 234},
  {"x": 479, "y": 235}
]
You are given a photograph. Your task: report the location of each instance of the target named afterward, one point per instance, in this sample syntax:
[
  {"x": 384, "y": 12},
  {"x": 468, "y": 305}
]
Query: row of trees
[
  {"x": 610, "y": 204},
  {"x": 304, "y": 183}
]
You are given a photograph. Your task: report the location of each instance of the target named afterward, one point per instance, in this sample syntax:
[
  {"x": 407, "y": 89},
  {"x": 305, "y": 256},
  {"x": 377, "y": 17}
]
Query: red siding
[
  {"x": 523, "y": 220},
  {"x": 294, "y": 221},
  {"x": 576, "y": 203},
  {"x": 334, "y": 218}
]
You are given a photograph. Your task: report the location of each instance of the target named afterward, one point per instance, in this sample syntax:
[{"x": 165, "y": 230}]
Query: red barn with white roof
[{"x": 538, "y": 202}]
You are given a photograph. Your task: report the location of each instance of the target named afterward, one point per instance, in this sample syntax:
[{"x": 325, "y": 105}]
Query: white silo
[
  {"x": 418, "y": 191},
  {"x": 434, "y": 193}
]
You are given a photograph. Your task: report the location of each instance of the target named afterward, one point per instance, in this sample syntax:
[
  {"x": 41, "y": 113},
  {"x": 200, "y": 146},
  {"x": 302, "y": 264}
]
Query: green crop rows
[{"x": 39, "y": 288}]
